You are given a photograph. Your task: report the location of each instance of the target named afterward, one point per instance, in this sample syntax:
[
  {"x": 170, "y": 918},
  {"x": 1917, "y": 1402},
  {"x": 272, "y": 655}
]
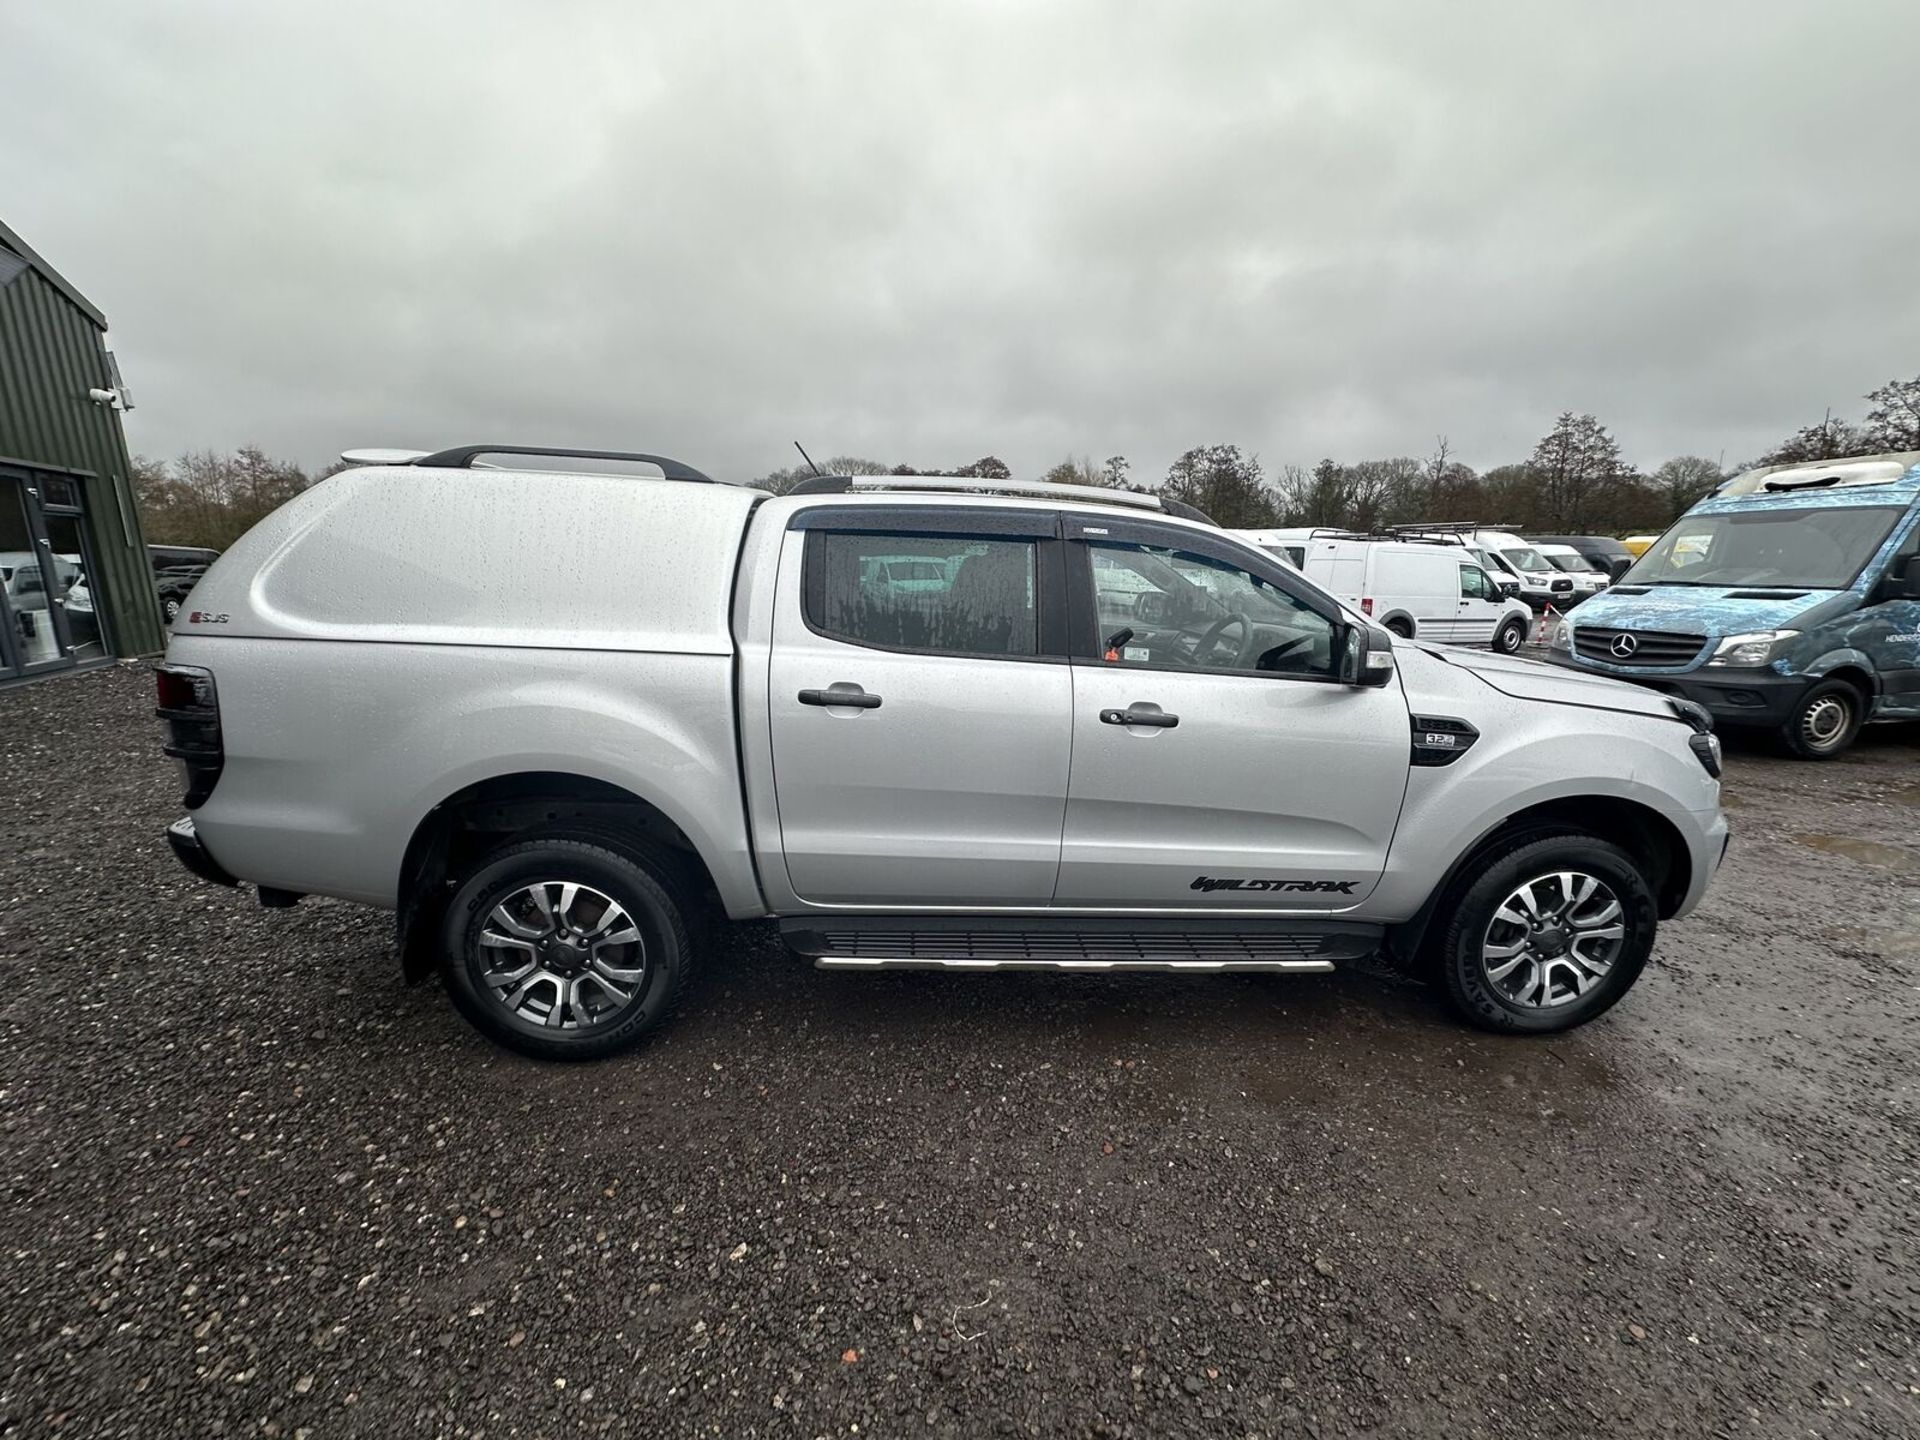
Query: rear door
[
  {"x": 1217, "y": 765},
  {"x": 920, "y": 706}
]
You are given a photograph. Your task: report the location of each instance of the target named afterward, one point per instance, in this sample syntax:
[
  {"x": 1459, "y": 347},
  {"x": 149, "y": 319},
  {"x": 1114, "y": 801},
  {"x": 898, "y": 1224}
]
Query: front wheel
[
  {"x": 1550, "y": 934},
  {"x": 563, "y": 949},
  {"x": 1511, "y": 635},
  {"x": 1825, "y": 721},
  {"x": 1401, "y": 627}
]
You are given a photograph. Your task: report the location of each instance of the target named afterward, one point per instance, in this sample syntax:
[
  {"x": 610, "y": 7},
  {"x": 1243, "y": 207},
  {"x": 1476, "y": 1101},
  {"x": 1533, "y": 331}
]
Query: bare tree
[
  {"x": 1227, "y": 485},
  {"x": 1831, "y": 439},
  {"x": 1894, "y": 421},
  {"x": 1578, "y": 467},
  {"x": 1683, "y": 482}
]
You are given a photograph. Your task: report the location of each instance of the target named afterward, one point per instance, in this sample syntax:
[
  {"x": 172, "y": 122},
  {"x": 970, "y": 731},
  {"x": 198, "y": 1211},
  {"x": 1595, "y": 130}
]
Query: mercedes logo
[{"x": 1624, "y": 645}]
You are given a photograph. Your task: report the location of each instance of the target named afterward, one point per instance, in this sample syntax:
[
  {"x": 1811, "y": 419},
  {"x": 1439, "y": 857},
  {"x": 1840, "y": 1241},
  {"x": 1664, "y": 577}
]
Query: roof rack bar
[
  {"x": 986, "y": 485},
  {"x": 841, "y": 484},
  {"x": 461, "y": 457}
]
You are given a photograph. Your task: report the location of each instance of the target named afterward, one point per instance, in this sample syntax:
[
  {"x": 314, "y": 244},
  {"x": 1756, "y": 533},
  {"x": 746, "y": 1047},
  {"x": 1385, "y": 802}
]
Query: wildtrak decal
[{"x": 1294, "y": 887}]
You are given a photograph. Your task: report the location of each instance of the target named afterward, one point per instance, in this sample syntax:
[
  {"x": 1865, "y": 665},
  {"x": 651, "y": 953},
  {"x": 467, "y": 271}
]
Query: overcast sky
[{"x": 924, "y": 232}]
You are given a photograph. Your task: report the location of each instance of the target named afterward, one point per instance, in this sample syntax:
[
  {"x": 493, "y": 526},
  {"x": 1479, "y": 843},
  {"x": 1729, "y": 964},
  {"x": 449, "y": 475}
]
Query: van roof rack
[
  {"x": 1438, "y": 527},
  {"x": 986, "y": 485},
  {"x": 461, "y": 457}
]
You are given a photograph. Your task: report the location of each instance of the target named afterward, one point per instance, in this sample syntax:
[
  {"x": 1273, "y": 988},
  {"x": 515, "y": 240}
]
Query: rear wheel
[
  {"x": 1511, "y": 635},
  {"x": 1825, "y": 722},
  {"x": 564, "y": 949},
  {"x": 1548, "y": 935},
  {"x": 1401, "y": 626}
]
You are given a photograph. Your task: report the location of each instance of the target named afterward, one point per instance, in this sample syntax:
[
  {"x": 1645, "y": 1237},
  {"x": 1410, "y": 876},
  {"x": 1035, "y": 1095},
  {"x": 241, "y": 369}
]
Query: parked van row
[
  {"x": 1425, "y": 589},
  {"x": 1789, "y": 601}
]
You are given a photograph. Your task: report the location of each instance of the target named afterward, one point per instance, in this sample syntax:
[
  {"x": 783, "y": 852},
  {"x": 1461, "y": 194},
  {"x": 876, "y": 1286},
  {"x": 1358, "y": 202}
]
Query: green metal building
[{"x": 78, "y": 582}]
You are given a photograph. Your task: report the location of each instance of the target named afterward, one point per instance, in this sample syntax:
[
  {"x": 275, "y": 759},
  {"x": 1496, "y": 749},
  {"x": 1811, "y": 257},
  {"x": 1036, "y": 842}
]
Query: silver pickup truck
[{"x": 552, "y": 719}]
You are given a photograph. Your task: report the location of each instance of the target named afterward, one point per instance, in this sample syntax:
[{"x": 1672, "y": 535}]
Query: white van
[
  {"x": 1431, "y": 591},
  {"x": 1504, "y": 554},
  {"x": 1570, "y": 562}
]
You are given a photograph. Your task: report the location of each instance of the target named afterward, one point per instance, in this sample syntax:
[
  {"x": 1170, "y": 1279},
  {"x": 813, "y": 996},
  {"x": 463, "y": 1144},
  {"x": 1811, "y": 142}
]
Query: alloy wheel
[
  {"x": 561, "y": 955},
  {"x": 1553, "y": 939}
]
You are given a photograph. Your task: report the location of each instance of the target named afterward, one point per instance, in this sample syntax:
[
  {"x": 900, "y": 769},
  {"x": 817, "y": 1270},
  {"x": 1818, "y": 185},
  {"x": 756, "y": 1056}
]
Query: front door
[
  {"x": 921, "y": 708},
  {"x": 1481, "y": 607},
  {"x": 48, "y": 614},
  {"x": 1217, "y": 762}
]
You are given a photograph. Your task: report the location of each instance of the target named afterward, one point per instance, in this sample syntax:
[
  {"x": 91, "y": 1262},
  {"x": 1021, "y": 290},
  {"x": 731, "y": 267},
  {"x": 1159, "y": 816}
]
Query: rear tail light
[
  {"x": 1366, "y": 605},
  {"x": 191, "y": 709}
]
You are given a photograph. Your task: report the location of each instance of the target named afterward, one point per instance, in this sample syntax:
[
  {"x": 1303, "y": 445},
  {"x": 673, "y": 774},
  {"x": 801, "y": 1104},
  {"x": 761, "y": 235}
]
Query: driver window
[
  {"x": 1474, "y": 584},
  {"x": 1171, "y": 609}
]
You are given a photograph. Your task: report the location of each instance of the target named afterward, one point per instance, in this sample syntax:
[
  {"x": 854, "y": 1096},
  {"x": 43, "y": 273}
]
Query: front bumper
[
  {"x": 192, "y": 853},
  {"x": 1732, "y": 697}
]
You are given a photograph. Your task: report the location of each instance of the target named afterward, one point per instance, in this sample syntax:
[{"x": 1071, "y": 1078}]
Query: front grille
[{"x": 1652, "y": 648}]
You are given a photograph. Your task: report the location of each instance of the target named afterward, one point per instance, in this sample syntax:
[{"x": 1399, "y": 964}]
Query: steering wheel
[{"x": 1212, "y": 635}]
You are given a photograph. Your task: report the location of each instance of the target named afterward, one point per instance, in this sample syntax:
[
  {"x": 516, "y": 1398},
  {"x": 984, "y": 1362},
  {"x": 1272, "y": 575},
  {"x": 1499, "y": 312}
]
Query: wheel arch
[
  {"x": 1404, "y": 617},
  {"x": 483, "y": 814},
  {"x": 1635, "y": 827}
]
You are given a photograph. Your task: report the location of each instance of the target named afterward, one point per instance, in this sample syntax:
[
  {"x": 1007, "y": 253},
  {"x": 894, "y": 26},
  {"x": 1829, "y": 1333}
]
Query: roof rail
[
  {"x": 1440, "y": 526},
  {"x": 986, "y": 485},
  {"x": 461, "y": 457}
]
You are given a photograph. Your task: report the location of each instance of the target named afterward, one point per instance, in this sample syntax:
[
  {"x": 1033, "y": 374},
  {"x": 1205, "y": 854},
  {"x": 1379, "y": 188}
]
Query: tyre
[
  {"x": 1401, "y": 626},
  {"x": 170, "y": 608},
  {"x": 1825, "y": 721},
  {"x": 565, "y": 949},
  {"x": 1547, "y": 935},
  {"x": 1511, "y": 635}
]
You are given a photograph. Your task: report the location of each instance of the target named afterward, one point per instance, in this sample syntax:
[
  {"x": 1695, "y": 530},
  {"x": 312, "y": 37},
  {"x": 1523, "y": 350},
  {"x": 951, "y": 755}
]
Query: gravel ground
[{"x": 258, "y": 1187}]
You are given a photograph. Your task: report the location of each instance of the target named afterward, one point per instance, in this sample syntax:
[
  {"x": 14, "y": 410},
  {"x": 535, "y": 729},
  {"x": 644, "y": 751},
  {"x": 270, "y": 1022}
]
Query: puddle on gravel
[{"x": 1867, "y": 852}]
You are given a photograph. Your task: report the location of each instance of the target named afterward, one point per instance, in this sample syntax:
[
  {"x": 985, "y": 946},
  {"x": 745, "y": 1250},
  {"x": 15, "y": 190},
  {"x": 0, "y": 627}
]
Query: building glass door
[{"x": 49, "y": 616}]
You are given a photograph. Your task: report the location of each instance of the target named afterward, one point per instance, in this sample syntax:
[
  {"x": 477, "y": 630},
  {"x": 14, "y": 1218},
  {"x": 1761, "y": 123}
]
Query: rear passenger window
[{"x": 941, "y": 594}]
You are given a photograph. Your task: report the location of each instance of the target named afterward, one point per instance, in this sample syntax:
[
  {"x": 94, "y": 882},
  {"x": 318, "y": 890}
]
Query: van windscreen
[{"x": 1800, "y": 549}]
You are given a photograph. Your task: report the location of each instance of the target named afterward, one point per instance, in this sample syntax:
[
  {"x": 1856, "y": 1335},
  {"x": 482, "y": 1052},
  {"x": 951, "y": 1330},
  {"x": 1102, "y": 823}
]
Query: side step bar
[{"x": 1200, "y": 945}]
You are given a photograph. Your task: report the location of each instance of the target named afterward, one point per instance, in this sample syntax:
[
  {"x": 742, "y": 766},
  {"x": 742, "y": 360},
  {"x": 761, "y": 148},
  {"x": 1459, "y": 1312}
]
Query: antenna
[{"x": 808, "y": 458}]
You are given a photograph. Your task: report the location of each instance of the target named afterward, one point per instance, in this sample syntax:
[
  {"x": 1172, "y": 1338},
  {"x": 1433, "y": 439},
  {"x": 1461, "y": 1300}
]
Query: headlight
[
  {"x": 1754, "y": 649},
  {"x": 1560, "y": 636}
]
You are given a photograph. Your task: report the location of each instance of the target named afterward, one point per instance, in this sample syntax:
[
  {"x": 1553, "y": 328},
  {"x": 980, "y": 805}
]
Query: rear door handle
[
  {"x": 841, "y": 693},
  {"x": 1134, "y": 715}
]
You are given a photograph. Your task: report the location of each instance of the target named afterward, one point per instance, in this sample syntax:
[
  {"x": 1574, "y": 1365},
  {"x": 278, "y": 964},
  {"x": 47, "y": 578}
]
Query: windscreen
[
  {"x": 1525, "y": 557},
  {"x": 1572, "y": 564},
  {"x": 1799, "y": 549}
]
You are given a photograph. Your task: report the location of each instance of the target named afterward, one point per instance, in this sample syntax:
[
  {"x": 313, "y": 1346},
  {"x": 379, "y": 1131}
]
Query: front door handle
[
  {"x": 1135, "y": 715},
  {"x": 841, "y": 693}
]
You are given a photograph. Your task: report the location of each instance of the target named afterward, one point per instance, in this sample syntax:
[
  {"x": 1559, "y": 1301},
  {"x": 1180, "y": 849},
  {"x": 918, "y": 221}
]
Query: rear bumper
[
  {"x": 1732, "y": 697},
  {"x": 190, "y": 852}
]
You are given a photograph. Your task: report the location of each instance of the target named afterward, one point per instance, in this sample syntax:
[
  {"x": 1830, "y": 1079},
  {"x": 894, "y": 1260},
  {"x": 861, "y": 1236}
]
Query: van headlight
[
  {"x": 1755, "y": 649},
  {"x": 1560, "y": 636}
]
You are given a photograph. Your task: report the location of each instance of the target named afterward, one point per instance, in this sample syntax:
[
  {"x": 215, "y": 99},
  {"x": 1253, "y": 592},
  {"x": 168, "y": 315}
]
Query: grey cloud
[{"x": 924, "y": 232}]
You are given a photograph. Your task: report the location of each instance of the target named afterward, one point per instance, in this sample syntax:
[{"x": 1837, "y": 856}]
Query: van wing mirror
[
  {"x": 1903, "y": 582},
  {"x": 1366, "y": 656},
  {"x": 1507, "y": 586},
  {"x": 1618, "y": 566}
]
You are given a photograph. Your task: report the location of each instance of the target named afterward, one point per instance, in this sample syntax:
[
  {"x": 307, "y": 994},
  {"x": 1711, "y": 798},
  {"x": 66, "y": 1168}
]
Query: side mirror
[
  {"x": 1903, "y": 580},
  {"x": 1366, "y": 656},
  {"x": 1508, "y": 586},
  {"x": 1618, "y": 566}
]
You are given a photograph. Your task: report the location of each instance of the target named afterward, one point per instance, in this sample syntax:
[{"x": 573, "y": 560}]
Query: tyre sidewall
[
  {"x": 1475, "y": 997},
  {"x": 1856, "y": 704},
  {"x": 648, "y": 903},
  {"x": 1511, "y": 628}
]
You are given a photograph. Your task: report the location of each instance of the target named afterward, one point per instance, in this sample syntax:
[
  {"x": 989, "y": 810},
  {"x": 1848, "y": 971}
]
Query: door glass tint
[
  {"x": 941, "y": 594},
  {"x": 1473, "y": 583},
  {"x": 75, "y": 594},
  {"x": 1170, "y": 608},
  {"x": 26, "y": 610}
]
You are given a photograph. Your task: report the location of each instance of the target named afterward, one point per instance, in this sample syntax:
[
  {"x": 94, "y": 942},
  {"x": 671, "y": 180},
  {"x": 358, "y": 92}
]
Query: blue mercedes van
[{"x": 1788, "y": 600}]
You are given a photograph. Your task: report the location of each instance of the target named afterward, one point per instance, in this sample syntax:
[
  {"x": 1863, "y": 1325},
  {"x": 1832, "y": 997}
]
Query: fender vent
[{"x": 1441, "y": 739}]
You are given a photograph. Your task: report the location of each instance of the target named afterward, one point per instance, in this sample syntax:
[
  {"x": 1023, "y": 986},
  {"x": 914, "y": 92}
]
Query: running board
[{"x": 1198, "y": 946}]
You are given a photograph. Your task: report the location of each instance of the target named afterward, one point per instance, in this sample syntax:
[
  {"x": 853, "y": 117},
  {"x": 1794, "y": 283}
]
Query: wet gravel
[{"x": 255, "y": 1186}]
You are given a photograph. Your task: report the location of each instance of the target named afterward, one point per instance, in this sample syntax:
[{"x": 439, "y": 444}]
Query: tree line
[{"x": 1575, "y": 481}]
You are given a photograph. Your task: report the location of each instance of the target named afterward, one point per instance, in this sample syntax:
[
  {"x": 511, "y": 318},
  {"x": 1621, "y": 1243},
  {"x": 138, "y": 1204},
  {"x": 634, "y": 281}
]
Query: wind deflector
[{"x": 461, "y": 457}]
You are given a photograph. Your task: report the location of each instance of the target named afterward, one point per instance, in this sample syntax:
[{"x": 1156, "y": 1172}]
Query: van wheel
[
  {"x": 1511, "y": 635},
  {"x": 1401, "y": 627},
  {"x": 1549, "y": 934},
  {"x": 563, "y": 949},
  {"x": 1825, "y": 722}
]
